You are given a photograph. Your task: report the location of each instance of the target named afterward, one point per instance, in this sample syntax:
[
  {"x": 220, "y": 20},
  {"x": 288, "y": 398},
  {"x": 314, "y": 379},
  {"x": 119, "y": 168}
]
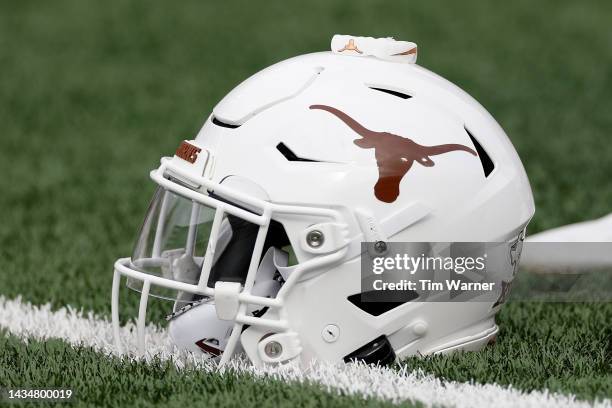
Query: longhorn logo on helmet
[{"x": 394, "y": 154}]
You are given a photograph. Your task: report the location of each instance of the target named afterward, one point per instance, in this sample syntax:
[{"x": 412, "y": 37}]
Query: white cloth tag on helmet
[{"x": 387, "y": 49}]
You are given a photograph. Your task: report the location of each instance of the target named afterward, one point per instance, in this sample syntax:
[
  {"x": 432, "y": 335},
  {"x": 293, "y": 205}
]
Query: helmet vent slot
[
  {"x": 377, "y": 302},
  {"x": 223, "y": 124},
  {"x": 290, "y": 155},
  {"x": 391, "y": 92},
  {"x": 485, "y": 159}
]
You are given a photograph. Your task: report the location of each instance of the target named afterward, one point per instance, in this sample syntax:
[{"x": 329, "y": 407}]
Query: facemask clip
[{"x": 226, "y": 299}]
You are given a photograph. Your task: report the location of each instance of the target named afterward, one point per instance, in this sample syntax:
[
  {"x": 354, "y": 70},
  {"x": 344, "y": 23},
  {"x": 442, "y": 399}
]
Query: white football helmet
[{"x": 313, "y": 156}]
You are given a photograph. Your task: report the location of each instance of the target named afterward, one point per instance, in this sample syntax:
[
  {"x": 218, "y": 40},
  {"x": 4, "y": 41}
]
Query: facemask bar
[
  {"x": 193, "y": 228},
  {"x": 244, "y": 297}
]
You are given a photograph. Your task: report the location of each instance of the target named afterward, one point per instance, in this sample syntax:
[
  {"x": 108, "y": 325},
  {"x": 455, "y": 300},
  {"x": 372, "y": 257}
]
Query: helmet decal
[
  {"x": 394, "y": 154},
  {"x": 187, "y": 151},
  {"x": 350, "y": 46},
  {"x": 205, "y": 345}
]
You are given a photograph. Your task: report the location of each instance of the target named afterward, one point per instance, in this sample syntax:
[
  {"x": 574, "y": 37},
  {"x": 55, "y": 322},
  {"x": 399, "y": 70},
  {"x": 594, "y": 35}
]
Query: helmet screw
[
  {"x": 315, "y": 239},
  {"x": 330, "y": 333},
  {"x": 273, "y": 349},
  {"x": 380, "y": 246}
]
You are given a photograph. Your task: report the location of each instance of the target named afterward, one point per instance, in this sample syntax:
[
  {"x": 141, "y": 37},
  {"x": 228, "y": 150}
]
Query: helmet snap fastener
[
  {"x": 419, "y": 328},
  {"x": 273, "y": 349},
  {"x": 330, "y": 333},
  {"x": 380, "y": 246},
  {"x": 315, "y": 239}
]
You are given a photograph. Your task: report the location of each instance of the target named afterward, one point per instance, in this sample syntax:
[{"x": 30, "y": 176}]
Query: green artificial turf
[
  {"x": 556, "y": 346},
  {"x": 93, "y": 93},
  {"x": 103, "y": 381}
]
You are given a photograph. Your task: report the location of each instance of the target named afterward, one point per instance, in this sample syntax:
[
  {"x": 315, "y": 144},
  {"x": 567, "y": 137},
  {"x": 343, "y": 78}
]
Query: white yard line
[{"x": 40, "y": 322}]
